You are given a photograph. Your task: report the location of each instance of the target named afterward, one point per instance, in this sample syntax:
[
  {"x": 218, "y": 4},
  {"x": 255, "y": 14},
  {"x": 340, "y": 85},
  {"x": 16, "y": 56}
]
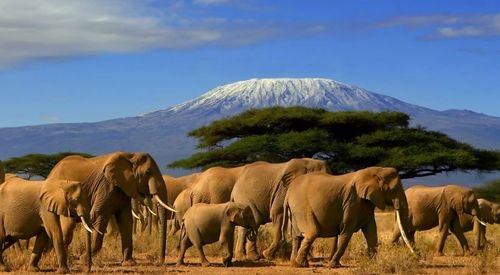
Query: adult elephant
[
  {"x": 439, "y": 206},
  {"x": 111, "y": 181},
  {"x": 263, "y": 186},
  {"x": 489, "y": 213},
  {"x": 323, "y": 205},
  {"x": 33, "y": 208}
]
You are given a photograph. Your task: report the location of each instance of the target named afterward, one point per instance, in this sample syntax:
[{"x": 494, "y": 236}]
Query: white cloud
[
  {"x": 45, "y": 29},
  {"x": 448, "y": 26},
  {"x": 211, "y": 2}
]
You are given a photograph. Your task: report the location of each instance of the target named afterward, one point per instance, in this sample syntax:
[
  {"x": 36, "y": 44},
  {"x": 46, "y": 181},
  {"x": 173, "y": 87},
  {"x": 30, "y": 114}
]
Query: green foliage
[
  {"x": 346, "y": 140},
  {"x": 489, "y": 191},
  {"x": 32, "y": 165}
]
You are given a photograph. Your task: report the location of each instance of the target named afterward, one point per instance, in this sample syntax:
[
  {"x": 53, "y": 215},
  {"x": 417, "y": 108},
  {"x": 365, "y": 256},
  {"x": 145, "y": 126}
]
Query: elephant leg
[
  {"x": 443, "y": 233},
  {"x": 251, "y": 248},
  {"x": 41, "y": 241},
  {"x": 305, "y": 245},
  {"x": 203, "y": 258},
  {"x": 185, "y": 243},
  {"x": 68, "y": 227},
  {"x": 270, "y": 252},
  {"x": 228, "y": 243},
  {"x": 296, "y": 241},
  {"x": 334, "y": 248},
  {"x": 370, "y": 233},
  {"x": 343, "y": 241},
  {"x": 6, "y": 243},
  {"x": 482, "y": 237},
  {"x": 124, "y": 219},
  {"x": 240, "y": 254},
  {"x": 54, "y": 231},
  {"x": 457, "y": 231}
]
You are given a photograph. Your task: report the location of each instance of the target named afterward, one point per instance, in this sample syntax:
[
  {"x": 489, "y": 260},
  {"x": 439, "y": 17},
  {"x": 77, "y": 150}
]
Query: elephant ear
[
  {"x": 56, "y": 195},
  {"x": 119, "y": 171},
  {"x": 234, "y": 213},
  {"x": 457, "y": 200},
  {"x": 368, "y": 185}
]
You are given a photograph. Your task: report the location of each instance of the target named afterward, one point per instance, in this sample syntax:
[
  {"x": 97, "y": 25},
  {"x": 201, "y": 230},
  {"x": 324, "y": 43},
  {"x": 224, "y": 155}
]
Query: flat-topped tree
[{"x": 347, "y": 141}]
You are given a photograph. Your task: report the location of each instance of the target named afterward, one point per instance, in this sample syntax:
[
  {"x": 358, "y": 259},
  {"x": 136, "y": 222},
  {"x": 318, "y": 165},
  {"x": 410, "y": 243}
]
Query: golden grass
[{"x": 389, "y": 260}]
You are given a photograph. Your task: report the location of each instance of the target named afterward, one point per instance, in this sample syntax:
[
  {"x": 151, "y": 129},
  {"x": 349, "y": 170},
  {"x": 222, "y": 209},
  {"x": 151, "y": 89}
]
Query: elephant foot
[
  {"x": 252, "y": 257},
  {"x": 180, "y": 263},
  {"x": 129, "y": 262},
  {"x": 227, "y": 262},
  {"x": 334, "y": 264},
  {"x": 303, "y": 263},
  {"x": 438, "y": 254},
  {"x": 4, "y": 268},
  {"x": 205, "y": 264},
  {"x": 268, "y": 254},
  {"x": 31, "y": 268},
  {"x": 83, "y": 260},
  {"x": 63, "y": 270}
]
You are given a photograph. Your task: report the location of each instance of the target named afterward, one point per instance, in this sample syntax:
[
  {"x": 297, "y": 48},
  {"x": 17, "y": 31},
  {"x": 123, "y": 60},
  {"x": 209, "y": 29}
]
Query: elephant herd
[{"x": 300, "y": 198}]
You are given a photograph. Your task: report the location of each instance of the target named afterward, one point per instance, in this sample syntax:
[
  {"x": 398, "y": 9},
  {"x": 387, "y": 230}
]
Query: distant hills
[{"x": 163, "y": 132}]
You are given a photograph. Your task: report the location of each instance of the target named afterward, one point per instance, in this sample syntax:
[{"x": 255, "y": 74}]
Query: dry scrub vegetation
[{"x": 390, "y": 259}]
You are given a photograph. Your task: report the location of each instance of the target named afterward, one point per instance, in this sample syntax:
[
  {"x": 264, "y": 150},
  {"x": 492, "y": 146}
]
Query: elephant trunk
[
  {"x": 158, "y": 189},
  {"x": 402, "y": 217}
]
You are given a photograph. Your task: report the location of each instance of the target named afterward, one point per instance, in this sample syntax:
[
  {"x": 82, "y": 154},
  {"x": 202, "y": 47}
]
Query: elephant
[
  {"x": 262, "y": 186},
  {"x": 324, "y": 205},
  {"x": 181, "y": 204},
  {"x": 111, "y": 181},
  {"x": 213, "y": 185},
  {"x": 207, "y": 223},
  {"x": 439, "y": 206},
  {"x": 33, "y": 208},
  {"x": 2, "y": 173},
  {"x": 489, "y": 213}
]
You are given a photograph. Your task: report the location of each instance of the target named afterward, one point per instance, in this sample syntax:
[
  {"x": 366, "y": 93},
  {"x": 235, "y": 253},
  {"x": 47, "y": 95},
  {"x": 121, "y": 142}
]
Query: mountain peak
[{"x": 310, "y": 92}]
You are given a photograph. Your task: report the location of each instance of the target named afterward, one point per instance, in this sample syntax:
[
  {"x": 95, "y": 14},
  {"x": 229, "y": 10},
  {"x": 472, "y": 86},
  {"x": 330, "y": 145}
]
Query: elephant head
[
  {"x": 66, "y": 198},
  {"x": 461, "y": 200},
  {"x": 382, "y": 186},
  {"x": 138, "y": 176},
  {"x": 241, "y": 215}
]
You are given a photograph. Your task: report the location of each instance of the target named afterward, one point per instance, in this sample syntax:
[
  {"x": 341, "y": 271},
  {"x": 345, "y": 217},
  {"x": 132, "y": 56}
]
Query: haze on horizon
[{"x": 83, "y": 61}]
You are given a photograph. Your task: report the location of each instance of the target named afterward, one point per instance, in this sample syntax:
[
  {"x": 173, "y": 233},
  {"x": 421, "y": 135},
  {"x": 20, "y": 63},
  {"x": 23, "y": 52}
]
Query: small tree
[
  {"x": 347, "y": 141},
  {"x": 29, "y": 166}
]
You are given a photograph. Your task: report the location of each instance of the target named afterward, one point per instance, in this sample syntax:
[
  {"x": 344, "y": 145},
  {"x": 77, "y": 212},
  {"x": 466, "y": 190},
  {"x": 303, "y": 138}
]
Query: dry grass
[{"x": 390, "y": 259}]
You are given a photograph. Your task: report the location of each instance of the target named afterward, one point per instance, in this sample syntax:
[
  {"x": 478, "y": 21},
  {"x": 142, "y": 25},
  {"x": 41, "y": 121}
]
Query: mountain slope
[{"x": 163, "y": 133}]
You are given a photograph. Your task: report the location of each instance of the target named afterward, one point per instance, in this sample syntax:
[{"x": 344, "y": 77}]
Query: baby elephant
[{"x": 206, "y": 223}]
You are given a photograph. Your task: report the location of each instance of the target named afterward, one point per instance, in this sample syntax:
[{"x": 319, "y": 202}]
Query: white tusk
[
  {"x": 151, "y": 211},
  {"x": 403, "y": 234},
  {"x": 480, "y": 221},
  {"x": 164, "y": 204},
  {"x": 135, "y": 215},
  {"x": 85, "y": 225},
  {"x": 99, "y": 232}
]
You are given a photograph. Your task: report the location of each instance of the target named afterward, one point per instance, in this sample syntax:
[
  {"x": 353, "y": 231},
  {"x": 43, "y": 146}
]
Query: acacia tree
[
  {"x": 347, "y": 141},
  {"x": 31, "y": 165}
]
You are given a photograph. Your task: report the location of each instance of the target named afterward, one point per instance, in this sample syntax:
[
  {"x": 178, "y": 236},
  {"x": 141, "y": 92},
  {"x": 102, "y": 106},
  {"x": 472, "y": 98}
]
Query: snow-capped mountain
[{"x": 163, "y": 132}]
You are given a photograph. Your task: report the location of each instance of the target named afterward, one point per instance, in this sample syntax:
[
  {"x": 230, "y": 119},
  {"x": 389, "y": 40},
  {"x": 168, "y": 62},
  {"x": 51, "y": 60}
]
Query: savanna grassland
[{"x": 390, "y": 259}]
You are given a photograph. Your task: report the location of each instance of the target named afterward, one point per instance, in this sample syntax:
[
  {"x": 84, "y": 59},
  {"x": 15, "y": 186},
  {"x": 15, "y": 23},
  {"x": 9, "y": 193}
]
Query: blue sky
[{"x": 76, "y": 61}]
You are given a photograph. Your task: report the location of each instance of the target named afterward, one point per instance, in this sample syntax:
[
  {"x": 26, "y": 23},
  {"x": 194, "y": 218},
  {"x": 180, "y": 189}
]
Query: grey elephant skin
[
  {"x": 263, "y": 186},
  {"x": 439, "y": 206},
  {"x": 207, "y": 223},
  {"x": 489, "y": 212},
  {"x": 323, "y": 205},
  {"x": 111, "y": 181},
  {"x": 33, "y": 208}
]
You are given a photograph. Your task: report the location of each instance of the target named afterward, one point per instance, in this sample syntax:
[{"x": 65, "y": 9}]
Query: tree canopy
[
  {"x": 32, "y": 165},
  {"x": 347, "y": 141},
  {"x": 489, "y": 191}
]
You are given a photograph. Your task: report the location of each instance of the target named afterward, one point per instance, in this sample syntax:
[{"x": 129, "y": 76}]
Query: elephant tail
[
  {"x": 287, "y": 219},
  {"x": 182, "y": 234}
]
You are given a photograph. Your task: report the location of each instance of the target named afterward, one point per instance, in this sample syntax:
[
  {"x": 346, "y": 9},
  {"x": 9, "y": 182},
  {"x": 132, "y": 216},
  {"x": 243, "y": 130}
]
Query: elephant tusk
[
  {"x": 135, "y": 215},
  {"x": 99, "y": 232},
  {"x": 480, "y": 221},
  {"x": 85, "y": 225},
  {"x": 403, "y": 234},
  {"x": 164, "y": 204},
  {"x": 151, "y": 211}
]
